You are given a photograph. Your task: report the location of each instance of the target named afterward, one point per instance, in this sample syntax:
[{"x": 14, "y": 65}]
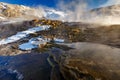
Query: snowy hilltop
[{"x": 11, "y": 11}]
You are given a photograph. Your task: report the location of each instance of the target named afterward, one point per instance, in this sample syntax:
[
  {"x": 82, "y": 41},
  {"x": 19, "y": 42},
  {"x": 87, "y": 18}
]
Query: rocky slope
[
  {"x": 9, "y": 11},
  {"x": 18, "y": 11}
]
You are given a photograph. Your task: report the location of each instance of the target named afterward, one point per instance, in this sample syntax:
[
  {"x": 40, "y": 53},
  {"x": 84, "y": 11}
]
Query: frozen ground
[
  {"x": 23, "y": 34},
  {"x": 35, "y": 42}
]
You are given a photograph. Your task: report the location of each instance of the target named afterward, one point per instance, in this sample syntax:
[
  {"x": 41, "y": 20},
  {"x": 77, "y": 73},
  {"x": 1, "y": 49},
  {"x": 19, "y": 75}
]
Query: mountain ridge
[
  {"x": 17, "y": 11},
  {"x": 8, "y": 11}
]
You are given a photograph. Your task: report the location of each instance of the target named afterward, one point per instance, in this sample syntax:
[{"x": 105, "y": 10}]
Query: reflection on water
[
  {"x": 10, "y": 74},
  {"x": 25, "y": 67}
]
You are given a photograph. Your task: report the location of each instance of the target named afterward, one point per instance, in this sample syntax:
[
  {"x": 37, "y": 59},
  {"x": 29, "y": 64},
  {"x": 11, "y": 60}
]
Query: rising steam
[
  {"x": 73, "y": 9},
  {"x": 39, "y": 12},
  {"x": 77, "y": 11}
]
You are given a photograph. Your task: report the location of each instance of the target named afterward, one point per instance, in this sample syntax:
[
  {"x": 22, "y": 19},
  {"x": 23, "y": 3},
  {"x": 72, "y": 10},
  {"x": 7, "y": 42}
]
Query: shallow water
[{"x": 25, "y": 67}]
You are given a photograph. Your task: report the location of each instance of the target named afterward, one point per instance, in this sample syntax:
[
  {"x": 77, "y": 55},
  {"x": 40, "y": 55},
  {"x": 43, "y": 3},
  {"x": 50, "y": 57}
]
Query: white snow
[
  {"x": 9, "y": 22},
  {"x": 59, "y": 40},
  {"x": 33, "y": 43},
  {"x": 52, "y": 11},
  {"x": 27, "y": 46},
  {"x": 54, "y": 14},
  {"x": 2, "y": 18},
  {"x": 4, "y": 5},
  {"x": 23, "y": 34},
  {"x": 25, "y": 7},
  {"x": 38, "y": 40}
]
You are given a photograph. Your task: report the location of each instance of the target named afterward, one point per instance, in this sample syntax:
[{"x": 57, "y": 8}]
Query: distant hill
[
  {"x": 106, "y": 15},
  {"x": 8, "y": 11}
]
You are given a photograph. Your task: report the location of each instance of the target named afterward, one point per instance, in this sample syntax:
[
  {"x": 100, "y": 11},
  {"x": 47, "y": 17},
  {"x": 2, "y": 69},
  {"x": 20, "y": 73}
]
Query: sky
[
  {"x": 53, "y": 3},
  {"x": 50, "y": 3}
]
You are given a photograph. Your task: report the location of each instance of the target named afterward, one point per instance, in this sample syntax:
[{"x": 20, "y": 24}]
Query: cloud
[{"x": 111, "y": 2}]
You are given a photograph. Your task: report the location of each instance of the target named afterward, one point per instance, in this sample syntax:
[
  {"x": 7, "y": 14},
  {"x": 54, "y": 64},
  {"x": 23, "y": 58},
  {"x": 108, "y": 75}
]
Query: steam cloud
[
  {"x": 73, "y": 9},
  {"x": 39, "y": 12},
  {"x": 77, "y": 11}
]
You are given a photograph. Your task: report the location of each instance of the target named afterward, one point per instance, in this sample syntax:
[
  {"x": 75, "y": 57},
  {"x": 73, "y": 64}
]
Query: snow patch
[
  {"x": 59, "y": 40},
  {"x": 27, "y": 46},
  {"x": 9, "y": 22},
  {"x": 23, "y": 34},
  {"x": 54, "y": 14},
  {"x": 2, "y": 18},
  {"x": 34, "y": 43},
  {"x": 3, "y": 5}
]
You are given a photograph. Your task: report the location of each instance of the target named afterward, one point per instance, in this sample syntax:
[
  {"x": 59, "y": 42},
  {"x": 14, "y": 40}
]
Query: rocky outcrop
[{"x": 9, "y": 11}]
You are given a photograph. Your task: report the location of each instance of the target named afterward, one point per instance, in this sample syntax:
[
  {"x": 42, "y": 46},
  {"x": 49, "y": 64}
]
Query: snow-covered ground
[
  {"x": 9, "y": 22},
  {"x": 23, "y": 34},
  {"x": 57, "y": 40},
  {"x": 54, "y": 14},
  {"x": 35, "y": 42}
]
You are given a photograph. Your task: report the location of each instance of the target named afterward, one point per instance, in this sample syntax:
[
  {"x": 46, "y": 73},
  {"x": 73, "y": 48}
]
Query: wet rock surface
[
  {"x": 88, "y": 61},
  {"x": 25, "y": 67}
]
